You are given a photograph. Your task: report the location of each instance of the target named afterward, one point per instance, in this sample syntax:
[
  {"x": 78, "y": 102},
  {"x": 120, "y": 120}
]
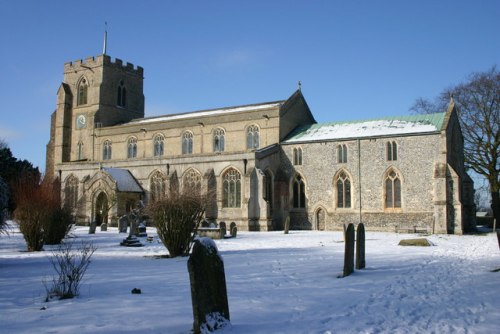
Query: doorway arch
[
  {"x": 320, "y": 219},
  {"x": 101, "y": 208}
]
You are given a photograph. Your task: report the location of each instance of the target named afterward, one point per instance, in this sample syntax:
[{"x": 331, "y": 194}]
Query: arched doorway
[
  {"x": 320, "y": 219},
  {"x": 101, "y": 208}
]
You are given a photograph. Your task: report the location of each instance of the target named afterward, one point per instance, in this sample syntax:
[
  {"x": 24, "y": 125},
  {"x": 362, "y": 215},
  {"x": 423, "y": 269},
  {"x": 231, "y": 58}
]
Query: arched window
[
  {"x": 157, "y": 186},
  {"x": 297, "y": 156},
  {"x": 122, "y": 95},
  {"x": 71, "y": 192},
  {"x": 252, "y": 137},
  {"x": 82, "y": 92},
  {"x": 106, "y": 150},
  {"x": 342, "y": 153},
  {"x": 132, "y": 148},
  {"x": 187, "y": 143},
  {"x": 192, "y": 181},
  {"x": 231, "y": 189},
  {"x": 392, "y": 151},
  {"x": 158, "y": 146},
  {"x": 79, "y": 151},
  {"x": 219, "y": 140},
  {"x": 392, "y": 190},
  {"x": 298, "y": 192},
  {"x": 343, "y": 191}
]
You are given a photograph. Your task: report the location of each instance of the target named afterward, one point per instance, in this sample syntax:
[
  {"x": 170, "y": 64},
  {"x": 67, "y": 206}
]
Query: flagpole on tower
[{"x": 105, "y": 38}]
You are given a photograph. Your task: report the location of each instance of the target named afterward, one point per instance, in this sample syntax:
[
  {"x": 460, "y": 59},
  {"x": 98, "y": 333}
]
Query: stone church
[{"x": 262, "y": 162}]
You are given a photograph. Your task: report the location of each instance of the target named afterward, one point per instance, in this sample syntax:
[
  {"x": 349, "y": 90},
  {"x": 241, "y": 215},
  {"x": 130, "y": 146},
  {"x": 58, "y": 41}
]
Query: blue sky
[{"x": 355, "y": 59}]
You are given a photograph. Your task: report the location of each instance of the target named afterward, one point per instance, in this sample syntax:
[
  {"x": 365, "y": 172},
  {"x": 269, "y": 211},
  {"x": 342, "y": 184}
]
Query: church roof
[
  {"x": 389, "y": 126},
  {"x": 125, "y": 181},
  {"x": 209, "y": 112}
]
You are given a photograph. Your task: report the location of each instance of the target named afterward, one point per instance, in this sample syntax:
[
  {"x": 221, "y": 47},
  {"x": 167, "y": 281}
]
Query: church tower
[{"x": 96, "y": 92}]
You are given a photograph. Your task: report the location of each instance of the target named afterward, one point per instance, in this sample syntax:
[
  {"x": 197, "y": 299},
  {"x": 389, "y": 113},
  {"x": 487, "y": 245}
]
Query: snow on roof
[
  {"x": 369, "y": 128},
  {"x": 125, "y": 182},
  {"x": 211, "y": 112}
]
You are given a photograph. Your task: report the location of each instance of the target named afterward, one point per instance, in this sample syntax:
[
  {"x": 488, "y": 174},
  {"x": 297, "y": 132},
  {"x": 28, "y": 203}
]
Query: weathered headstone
[
  {"x": 208, "y": 287},
  {"x": 123, "y": 224},
  {"x": 104, "y": 227},
  {"x": 141, "y": 230},
  {"x": 498, "y": 237},
  {"x": 222, "y": 225},
  {"x": 222, "y": 232},
  {"x": 234, "y": 231},
  {"x": 349, "y": 251},
  {"x": 287, "y": 224},
  {"x": 360, "y": 246},
  {"x": 92, "y": 227}
]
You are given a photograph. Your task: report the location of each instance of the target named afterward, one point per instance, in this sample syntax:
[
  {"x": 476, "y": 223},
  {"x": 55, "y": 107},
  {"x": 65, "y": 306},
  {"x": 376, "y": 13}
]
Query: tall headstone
[
  {"x": 287, "y": 224},
  {"x": 360, "y": 246},
  {"x": 92, "y": 227},
  {"x": 208, "y": 287},
  {"x": 349, "y": 251},
  {"x": 123, "y": 224}
]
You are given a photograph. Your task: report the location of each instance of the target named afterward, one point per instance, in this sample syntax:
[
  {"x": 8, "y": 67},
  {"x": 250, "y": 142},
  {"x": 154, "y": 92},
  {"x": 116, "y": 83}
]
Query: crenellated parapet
[{"x": 102, "y": 60}]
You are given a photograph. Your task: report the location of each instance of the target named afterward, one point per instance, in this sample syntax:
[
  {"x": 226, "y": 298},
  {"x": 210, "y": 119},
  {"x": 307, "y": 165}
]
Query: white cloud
[{"x": 6, "y": 134}]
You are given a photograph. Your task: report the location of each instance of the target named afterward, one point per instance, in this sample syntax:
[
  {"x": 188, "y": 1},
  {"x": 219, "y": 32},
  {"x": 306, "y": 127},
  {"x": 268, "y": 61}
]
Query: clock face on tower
[{"x": 81, "y": 121}]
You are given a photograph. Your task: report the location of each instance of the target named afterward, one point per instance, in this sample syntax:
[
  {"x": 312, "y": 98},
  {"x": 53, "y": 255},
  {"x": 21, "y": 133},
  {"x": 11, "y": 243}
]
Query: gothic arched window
[
  {"x": 219, "y": 140},
  {"x": 297, "y": 156},
  {"x": 157, "y": 186},
  {"x": 187, "y": 143},
  {"x": 253, "y": 137},
  {"x": 106, "y": 150},
  {"x": 342, "y": 153},
  {"x": 159, "y": 145},
  {"x": 343, "y": 191},
  {"x": 122, "y": 95},
  {"x": 231, "y": 183},
  {"x": 298, "y": 192},
  {"x": 392, "y": 190},
  {"x": 79, "y": 151},
  {"x": 82, "y": 92},
  {"x": 132, "y": 148},
  {"x": 392, "y": 151},
  {"x": 71, "y": 192},
  {"x": 192, "y": 181}
]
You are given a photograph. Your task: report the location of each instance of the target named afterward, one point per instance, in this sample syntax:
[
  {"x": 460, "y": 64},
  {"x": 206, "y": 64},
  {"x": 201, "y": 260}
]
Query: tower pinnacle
[{"x": 105, "y": 38}]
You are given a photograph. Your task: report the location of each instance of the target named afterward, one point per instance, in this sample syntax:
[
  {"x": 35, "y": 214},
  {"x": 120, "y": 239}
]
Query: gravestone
[
  {"x": 123, "y": 224},
  {"x": 234, "y": 231},
  {"x": 141, "y": 230},
  {"x": 222, "y": 225},
  {"x": 287, "y": 224},
  {"x": 92, "y": 227},
  {"x": 233, "y": 224},
  {"x": 104, "y": 227},
  {"x": 349, "y": 251},
  {"x": 360, "y": 246},
  {"x": 208, "y": 287}
]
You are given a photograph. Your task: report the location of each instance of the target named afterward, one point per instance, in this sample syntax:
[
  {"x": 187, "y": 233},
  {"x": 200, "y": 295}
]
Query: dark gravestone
[
  {"x": 233, "y": 224},
  {"x": 234, "y": 231},
  {"x": 208, "y": 287},
  {"x": 349, "y": 251},
  {"x": 123, "y": 224},
  {"x": 141, "y": 230},
  {"x": 222, "y": 225},
  {"x": 104, "y": 227},
  {"x": 92, "y": 227},
  {"x": 498, "y": 237},
  {"x": 222, "y": 232},
  {"x": 360, "y": 246}
]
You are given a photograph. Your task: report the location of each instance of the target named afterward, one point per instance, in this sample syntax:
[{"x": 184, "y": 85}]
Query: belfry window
[
  {"x": 342, "y": 153},
  {"x": 106, "y": 150},
  {"x": 392, "y": 190},
  {"x": 343, "y": 191},
  {"x": 219, "y": 140},
  {"x": 187, "y": 143},
  {"x": 82, "y": 92},
  {"x": 231, "y": 197},
  {"x": 79, "y": 151},
  {"x": 297, "y": 156},
  {"x": 158, "y": 149},
  {"x": 122, "y": 95},
  {"x": 298, "y": 192},
  {"x": 132, "y": 148},
  {"x": 392, "y": 151},
  {"x": 253, "y": 137}
]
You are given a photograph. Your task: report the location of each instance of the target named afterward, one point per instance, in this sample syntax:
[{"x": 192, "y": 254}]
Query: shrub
[
  {"x": 70, "y": 266},
  {"x": 177, "y": 217},
  {"x": 38, "y": 212}
]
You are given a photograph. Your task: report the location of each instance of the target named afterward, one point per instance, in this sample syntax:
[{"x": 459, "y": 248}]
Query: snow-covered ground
[{"x": 276, "y": 283}]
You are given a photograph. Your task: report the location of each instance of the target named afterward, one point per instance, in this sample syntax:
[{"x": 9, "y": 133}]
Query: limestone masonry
[{"x": 263, "y": 162}]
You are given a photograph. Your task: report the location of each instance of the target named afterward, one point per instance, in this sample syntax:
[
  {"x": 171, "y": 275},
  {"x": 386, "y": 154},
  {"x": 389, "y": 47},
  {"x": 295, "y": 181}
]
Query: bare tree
[{"x": 478, "y": 103}]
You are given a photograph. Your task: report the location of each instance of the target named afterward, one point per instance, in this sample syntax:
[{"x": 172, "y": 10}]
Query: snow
[
  {"x": 276, "y": 283},
  {"x": 361, "y": 130},
  {"x": 213, "y": 112}
]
